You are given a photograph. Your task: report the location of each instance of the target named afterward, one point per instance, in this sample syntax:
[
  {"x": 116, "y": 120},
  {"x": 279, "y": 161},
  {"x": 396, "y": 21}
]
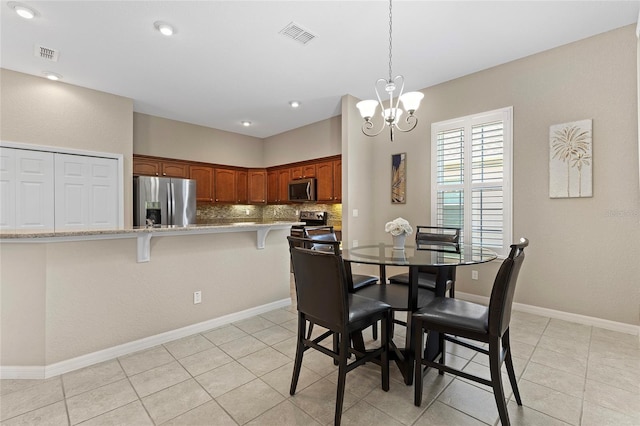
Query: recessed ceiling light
[
  {"x": 164, "y": 28},
  {"x": 52, "y": 76},
  {"x": 22, "y": 10},
  {"x": 246, "y": 123},
  {"x": 294, "y": 104}
]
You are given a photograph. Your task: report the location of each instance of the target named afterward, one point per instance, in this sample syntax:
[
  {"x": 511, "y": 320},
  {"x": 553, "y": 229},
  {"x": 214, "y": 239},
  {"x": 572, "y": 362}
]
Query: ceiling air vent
[
  {"x": 297, "y": 33},
  {"x": 46, "y": 53}
]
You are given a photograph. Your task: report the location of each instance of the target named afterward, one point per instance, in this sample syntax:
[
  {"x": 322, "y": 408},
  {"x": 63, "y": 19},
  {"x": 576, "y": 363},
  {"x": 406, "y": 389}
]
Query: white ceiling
[{"x": 227, "y": 62}]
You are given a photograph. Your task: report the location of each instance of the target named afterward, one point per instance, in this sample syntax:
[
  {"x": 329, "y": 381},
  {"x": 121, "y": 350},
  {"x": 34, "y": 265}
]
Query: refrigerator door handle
[{"x": 172, "y": 204}]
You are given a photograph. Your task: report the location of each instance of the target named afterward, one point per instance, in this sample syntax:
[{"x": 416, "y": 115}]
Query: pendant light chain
[{"x": 390, "y": 40}]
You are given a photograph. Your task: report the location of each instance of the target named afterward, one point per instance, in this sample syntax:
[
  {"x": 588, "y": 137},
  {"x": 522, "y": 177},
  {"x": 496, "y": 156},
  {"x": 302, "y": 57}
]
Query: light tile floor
[{"x": 240, "y": 374}]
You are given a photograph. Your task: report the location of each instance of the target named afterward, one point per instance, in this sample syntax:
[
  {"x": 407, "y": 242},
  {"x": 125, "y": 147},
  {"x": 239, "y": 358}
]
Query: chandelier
[{"x": 391, "y": 116}]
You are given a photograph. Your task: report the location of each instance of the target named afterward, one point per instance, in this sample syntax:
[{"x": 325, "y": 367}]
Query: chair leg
[
  {"x": 509, "y": 364},
  {"x": 496, "y": 380},
  {"x": 299, "y": 351},
  {"x": 443, "y": 352},
  {"x": 342, "y": 377},
  {"x": 417, "y": 370},
  {"x": 384, "y": 359},
  {"x": 374, "y": 330},
  {"x": 310, "y": 331},
  {"x": 336, "y": 345}
]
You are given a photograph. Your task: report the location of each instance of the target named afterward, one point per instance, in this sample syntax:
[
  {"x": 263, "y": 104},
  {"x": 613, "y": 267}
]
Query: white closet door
[
  {"x": 7, "y": 189},
  {"x": 86, "y": 192},
  {"x": 26, "y": 190}
]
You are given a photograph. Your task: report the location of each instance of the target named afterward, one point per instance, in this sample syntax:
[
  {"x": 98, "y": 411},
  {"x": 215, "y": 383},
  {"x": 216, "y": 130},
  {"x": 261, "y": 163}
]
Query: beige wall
[
  {"x": 76, "y": 298},
  {"x": 583, "y": 256},
  {"x": 176, "y": 139},
  {"x": 38, "y": 111},
  {"x": 321, "y": 139}
]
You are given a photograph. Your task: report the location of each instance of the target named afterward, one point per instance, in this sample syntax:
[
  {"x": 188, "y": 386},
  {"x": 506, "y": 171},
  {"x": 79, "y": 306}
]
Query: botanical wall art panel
[
  {"x": 571, "y": 160},
  {"x": 398, "y": 178}
]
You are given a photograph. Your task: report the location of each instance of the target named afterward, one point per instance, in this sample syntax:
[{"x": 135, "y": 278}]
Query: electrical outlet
[
  {"x": 474, "y": 275},
  {"x": 355, "y": 243},
  {"x": 197, "y": 297},
  {"x": 247, "y": 212}
]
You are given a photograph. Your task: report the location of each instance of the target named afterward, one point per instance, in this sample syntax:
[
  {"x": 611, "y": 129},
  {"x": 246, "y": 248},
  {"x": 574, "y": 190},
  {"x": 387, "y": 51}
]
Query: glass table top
[{"x": 425, "y": 255}]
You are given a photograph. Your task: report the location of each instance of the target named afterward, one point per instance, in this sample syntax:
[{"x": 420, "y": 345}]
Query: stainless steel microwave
[{"x": 302, "y": 190}]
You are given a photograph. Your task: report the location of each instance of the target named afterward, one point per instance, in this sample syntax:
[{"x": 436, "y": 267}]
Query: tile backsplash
[{"x": 210, "y": 213}]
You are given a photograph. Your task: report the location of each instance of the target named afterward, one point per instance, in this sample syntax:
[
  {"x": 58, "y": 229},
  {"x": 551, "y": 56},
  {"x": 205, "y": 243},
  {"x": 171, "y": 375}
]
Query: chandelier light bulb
[
  {"x": 367, "y": 108},
  {"x": 411, "y": 101}
]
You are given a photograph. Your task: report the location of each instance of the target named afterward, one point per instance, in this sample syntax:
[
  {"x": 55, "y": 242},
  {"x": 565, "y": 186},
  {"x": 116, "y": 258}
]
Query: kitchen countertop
[
  {"x": 197, "y": 228},
  {"x": 143, "y": 235}
]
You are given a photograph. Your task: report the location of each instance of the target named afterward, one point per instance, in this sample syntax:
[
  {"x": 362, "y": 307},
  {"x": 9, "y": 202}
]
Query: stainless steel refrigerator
[{"x": 163, "y": 201}]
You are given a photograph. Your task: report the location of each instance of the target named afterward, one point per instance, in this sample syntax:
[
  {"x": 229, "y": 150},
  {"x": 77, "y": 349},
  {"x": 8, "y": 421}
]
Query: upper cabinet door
[
  {"x": 257, "y": 186},
  {"x": 86, "y": 192},
  {"x": 242, "y": 186},
  {"x": 337, "y": 180},
  {"x": 203, "y": 176},
  {"x": 26, "y": 190},
  {"x": 145, "y": 167},
  {"x": 174, "y": 169},
  {"x": 225, "y": 183},
  {"x": 324, "y": 176},
  {"x": 283, "y": 185}
]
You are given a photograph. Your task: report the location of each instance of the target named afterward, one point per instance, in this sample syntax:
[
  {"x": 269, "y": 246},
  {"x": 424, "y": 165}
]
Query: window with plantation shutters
[{"x": 471, "y": 175}]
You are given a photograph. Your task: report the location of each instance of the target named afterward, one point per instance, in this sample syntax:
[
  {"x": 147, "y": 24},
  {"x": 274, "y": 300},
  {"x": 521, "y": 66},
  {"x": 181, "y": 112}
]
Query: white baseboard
[
  {"x": 566, "y": 316},
  {"x": 44, "y": 372}
]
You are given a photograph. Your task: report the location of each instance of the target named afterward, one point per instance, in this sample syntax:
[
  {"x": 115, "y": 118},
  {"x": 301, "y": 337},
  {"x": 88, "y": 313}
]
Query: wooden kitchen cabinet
[
  {"x": 242, "y": 187},
  {"x": 257, "y": 186},
  {"x": 329, "y": 181},
  {"x": 278, "y": 186},
  {"x": 284, "y": 176},
  {"x": 174, "y": 169},
  {"x": 144, "y": 166},
  {"x": 272, "y": 186},
  {"x": 303, "y": 171},
  {"x": 337, "y": 180},
  {"x": 203, "y": 176},
  {"x": 225, "y": 185}
]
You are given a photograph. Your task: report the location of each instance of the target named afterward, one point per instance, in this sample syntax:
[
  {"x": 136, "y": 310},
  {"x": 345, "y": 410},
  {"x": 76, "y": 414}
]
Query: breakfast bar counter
[
  {"x": 144, "y": 234},
  {"x": 73, "y": 299}
]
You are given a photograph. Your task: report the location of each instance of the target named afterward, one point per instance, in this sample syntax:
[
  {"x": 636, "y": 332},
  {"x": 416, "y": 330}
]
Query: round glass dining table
[{"x": 444, "y": 258}]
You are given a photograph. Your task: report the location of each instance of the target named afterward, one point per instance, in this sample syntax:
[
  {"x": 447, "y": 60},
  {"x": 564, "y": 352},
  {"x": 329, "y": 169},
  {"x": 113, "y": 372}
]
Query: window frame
[{"x": 467, "y": 186}]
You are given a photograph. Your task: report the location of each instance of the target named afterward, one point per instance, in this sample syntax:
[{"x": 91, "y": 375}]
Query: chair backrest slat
[
  {"x": 504, "y": 288},
  {"x": 328, "y": 236}
]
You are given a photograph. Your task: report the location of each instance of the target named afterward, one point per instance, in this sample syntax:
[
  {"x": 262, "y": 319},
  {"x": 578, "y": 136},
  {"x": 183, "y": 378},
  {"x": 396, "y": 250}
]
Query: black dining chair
[
  {"x": 433, "y": 238},
  {"x": 321, "y": 235},
  {"x": 453, "y": 318},
  {"x": 324, "y": 238},
  {"x": 323, "y": 299}
]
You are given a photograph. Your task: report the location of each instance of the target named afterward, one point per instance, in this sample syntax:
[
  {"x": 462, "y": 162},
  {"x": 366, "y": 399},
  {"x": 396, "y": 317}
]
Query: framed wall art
[
  {"x": 571, "y": 160},
  {"x": 398, "y": 178}
]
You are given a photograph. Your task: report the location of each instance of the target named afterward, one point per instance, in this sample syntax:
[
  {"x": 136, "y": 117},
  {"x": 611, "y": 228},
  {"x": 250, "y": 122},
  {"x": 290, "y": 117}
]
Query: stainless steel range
[{"x": 311, "y": 219}]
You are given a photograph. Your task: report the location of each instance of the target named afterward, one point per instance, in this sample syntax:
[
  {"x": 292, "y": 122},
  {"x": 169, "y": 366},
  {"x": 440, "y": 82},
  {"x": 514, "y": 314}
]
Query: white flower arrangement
[{"x": 398, "y": 226}]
